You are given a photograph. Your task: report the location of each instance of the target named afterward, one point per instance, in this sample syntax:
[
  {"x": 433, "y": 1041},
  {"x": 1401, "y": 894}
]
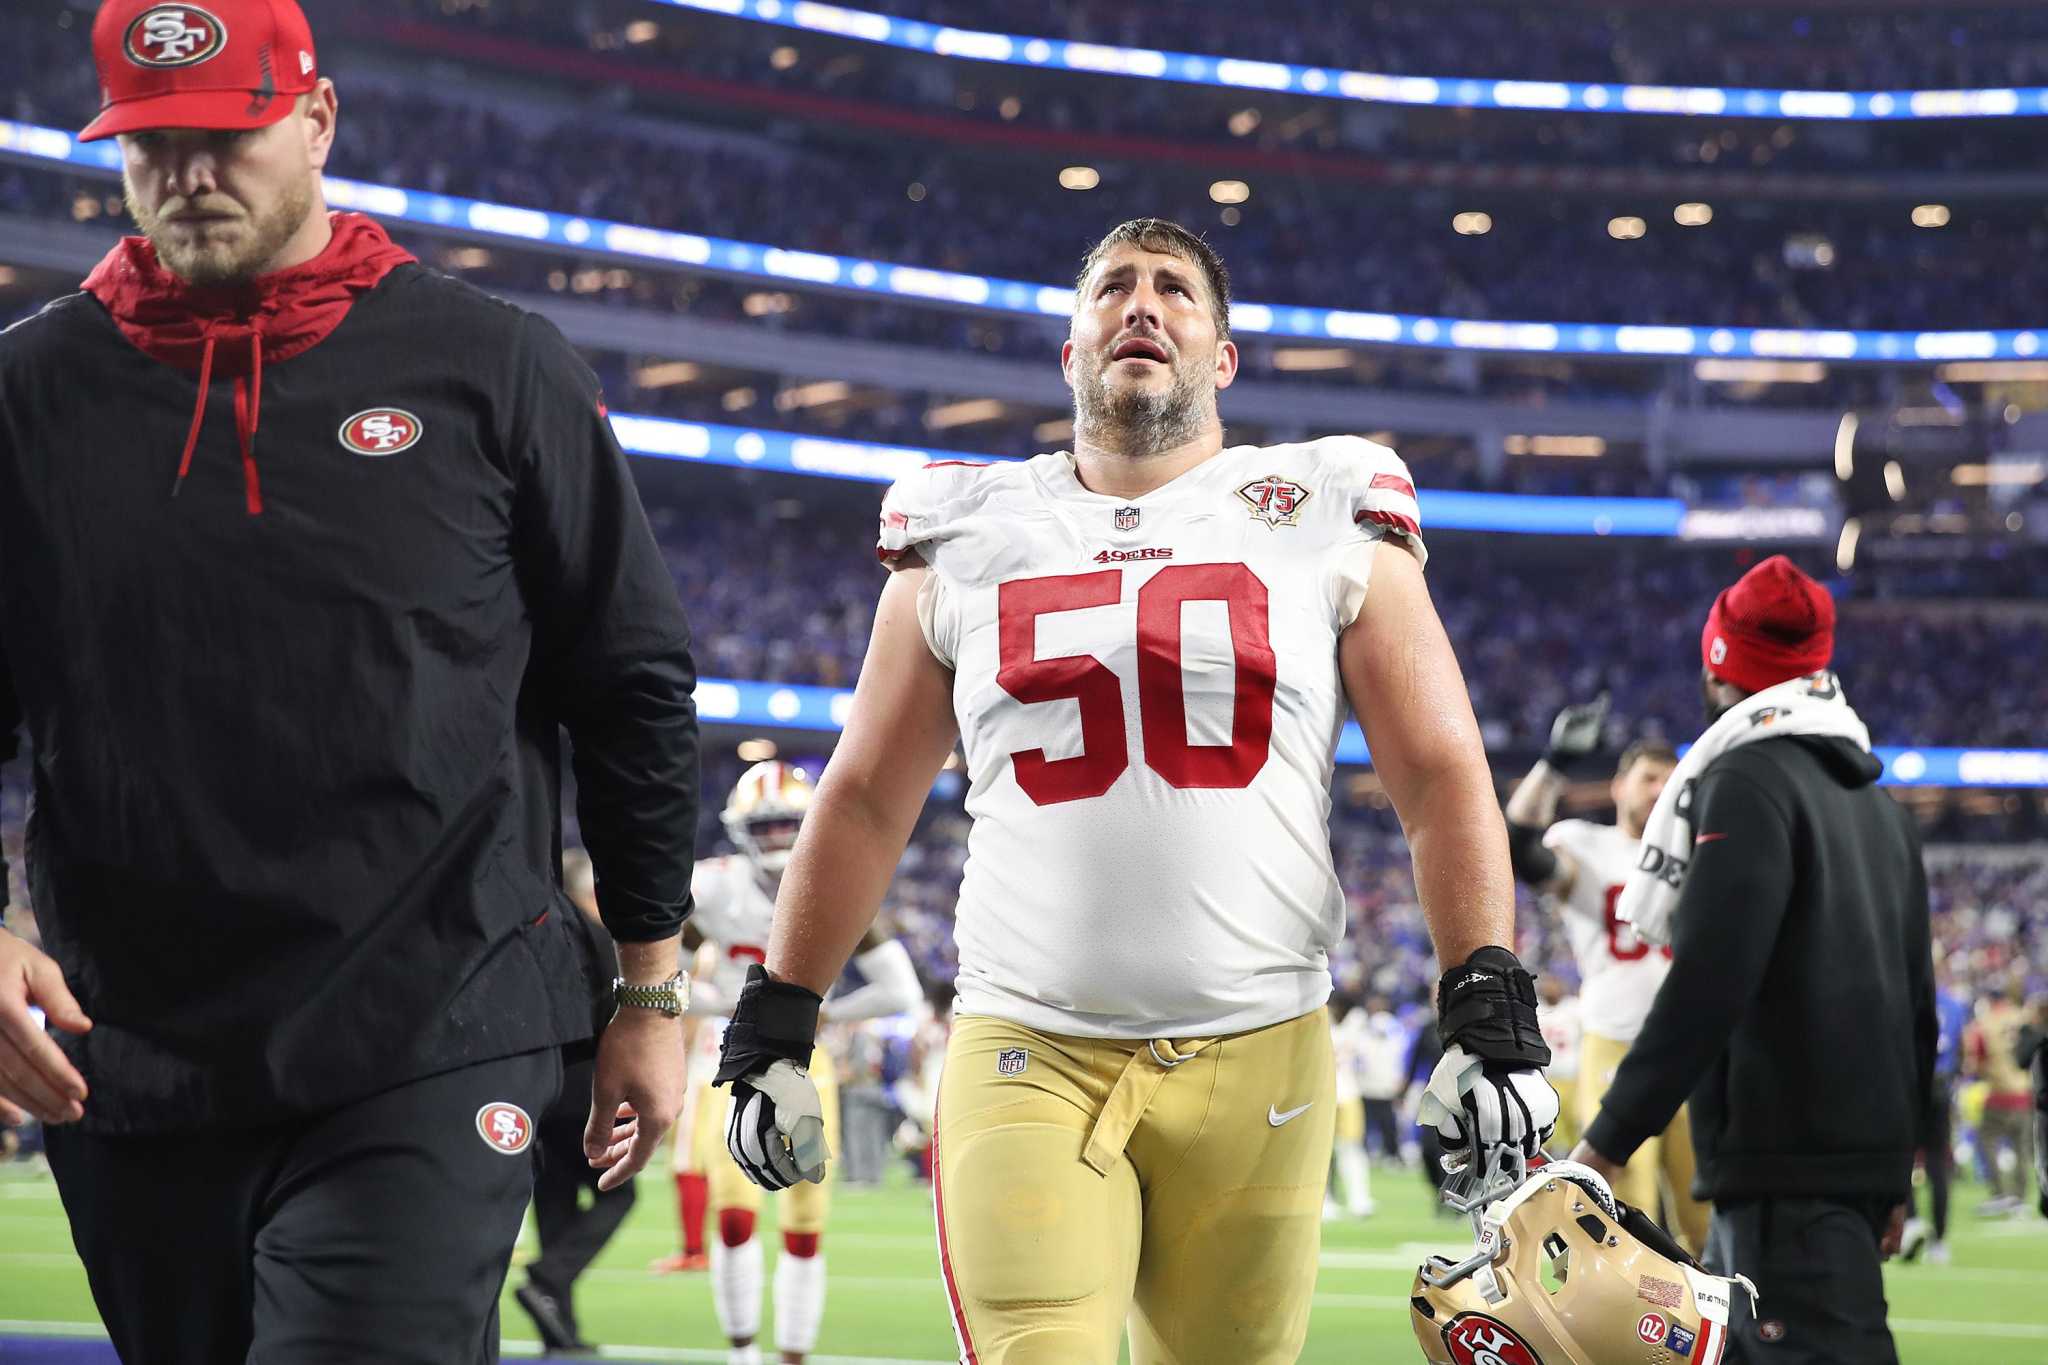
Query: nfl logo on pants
[{"x": 1010, "y": 1061}]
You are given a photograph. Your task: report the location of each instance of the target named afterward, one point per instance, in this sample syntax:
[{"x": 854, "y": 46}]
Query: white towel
[{"x": 1812, "y": 705}]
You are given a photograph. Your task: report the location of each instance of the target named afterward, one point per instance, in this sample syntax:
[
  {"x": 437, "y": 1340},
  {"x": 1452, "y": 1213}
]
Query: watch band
[{"x": 671, "y": 997}]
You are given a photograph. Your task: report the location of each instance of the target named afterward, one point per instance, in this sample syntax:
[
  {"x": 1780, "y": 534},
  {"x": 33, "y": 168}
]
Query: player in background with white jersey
[
  {"x": 735, "y": 907},
  {"x": 1580, "y": 867},
  {"x": 1558, "y": 1013},
  {"x": 1347, "y": 1042},
  {"x": 1145, "y": 648}
]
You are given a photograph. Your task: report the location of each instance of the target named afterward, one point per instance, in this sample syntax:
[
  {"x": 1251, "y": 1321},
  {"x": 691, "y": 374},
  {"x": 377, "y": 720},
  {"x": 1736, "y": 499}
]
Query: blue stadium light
[
  {"x": 668, "y": 438},
  {"x": 1325, "y": 82},
  {"x": 791, "y": 706},
  {"x": 772, "y": 264}
]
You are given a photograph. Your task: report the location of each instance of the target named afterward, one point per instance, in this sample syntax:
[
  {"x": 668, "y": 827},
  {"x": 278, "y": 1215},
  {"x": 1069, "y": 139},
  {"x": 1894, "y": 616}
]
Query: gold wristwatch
[{"x": 671, "y": 997}]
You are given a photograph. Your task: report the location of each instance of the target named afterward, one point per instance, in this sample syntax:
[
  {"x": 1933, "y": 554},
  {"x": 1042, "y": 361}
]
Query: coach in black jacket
[
  {"x": 307, "y": 554},
  {"x": 1799, "y": 1013}
]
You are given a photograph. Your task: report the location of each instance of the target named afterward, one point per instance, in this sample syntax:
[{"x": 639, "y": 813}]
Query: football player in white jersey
[
  {"x": 1558, "y": 1013},
  {"x": 1348, "y": 1036},
  {"x": 1580, "y": 867},
  {"x": 1145, "y": 647},
  {"x": 735, "y": 906}
]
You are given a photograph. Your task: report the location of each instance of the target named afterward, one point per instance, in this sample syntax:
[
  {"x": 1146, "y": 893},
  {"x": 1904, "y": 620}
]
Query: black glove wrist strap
[
  {"x": 1488, "y": 1007},
  {"x": 772, "y": 1021}
]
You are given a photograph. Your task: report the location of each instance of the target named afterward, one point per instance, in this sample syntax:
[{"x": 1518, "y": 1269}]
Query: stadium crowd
[
  {"x": 699, "y": 57},
  {"x": 771, "y": 601},
  {"x": 1546, "y": 257},
  {"x": 1885, "y": 47}
]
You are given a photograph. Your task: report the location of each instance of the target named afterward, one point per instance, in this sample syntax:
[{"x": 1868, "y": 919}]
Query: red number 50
[{"x": 1162, "y": 698}]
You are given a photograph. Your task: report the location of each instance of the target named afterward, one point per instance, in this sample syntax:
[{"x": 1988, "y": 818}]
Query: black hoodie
[
  {"x": 1799, "y": 1012},
  {"x": 296, "y": 735}
]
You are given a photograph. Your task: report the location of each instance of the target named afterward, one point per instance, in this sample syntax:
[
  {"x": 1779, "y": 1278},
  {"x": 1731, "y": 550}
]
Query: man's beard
[
  {"x": 1140, "y": 421},
  {"x": 1714, "y": 709},
  {"x": 226, "y": 262}
]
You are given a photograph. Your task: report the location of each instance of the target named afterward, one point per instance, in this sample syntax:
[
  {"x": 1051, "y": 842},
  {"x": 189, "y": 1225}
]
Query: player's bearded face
[
  {"x": 1109, "y": 398},
  {"x": 219, "y": 206},
  {"x": 1143, "y": 356},
  {"x": 1636, "y": 791}
]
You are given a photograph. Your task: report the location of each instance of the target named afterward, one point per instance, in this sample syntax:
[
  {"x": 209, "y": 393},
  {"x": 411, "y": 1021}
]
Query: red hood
[
  {"x": 292, "y": 310},
  {"x": 261, "y": 321}
]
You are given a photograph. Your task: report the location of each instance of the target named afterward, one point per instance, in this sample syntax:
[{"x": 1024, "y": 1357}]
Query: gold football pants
[
  {"x": 1171, "y": 1187},
  {"x": 1664, "y": 1164}
]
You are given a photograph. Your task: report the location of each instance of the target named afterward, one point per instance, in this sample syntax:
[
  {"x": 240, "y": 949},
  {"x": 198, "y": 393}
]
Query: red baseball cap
[{"x": 221, "y": 64}]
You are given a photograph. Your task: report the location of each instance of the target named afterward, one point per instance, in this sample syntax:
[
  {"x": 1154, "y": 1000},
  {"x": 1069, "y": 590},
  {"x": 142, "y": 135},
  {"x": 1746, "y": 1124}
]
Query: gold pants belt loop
[{"x": 1128, "y": 1098}]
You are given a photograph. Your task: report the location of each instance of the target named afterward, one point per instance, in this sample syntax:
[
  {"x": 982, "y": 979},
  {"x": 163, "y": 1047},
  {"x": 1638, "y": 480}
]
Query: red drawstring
[
  {"x": 250, "y": 390},
  {"x": 248, "y": 413},
  {"x": 198, "y": 416}
]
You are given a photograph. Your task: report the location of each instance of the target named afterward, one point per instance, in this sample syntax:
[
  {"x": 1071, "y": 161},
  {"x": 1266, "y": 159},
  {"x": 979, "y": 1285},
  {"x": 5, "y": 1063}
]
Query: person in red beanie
[
  {"x": 307, "y": 556},
  {"x": 1798, "y": 1018}
]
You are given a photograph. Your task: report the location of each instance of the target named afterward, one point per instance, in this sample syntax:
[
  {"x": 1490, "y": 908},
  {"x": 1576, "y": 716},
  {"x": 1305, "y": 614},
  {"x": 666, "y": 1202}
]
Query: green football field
[{"x": 1990, "y": 1307}]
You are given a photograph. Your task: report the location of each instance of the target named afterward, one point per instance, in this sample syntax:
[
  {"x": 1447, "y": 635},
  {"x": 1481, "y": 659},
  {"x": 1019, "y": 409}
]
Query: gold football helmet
[
  {"x": 765, "y": 809},
  {"x": 1563, "y": 1274}
]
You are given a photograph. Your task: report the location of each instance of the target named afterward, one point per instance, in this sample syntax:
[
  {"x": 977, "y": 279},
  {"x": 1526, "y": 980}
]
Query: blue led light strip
[
  {"x": 481, "y": 220},
  {"x": 1332, "y": 83},
  {"x": 725, "y": 701},
  {"x": 785, "y": 452}
]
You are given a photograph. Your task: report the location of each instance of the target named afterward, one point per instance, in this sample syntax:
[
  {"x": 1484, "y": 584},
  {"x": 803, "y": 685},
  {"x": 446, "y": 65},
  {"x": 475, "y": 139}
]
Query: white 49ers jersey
[
  {"x": 1618, "y": 972},
  {"x": 734, "y": 913},
  {"x": 1149, "y": 702}
]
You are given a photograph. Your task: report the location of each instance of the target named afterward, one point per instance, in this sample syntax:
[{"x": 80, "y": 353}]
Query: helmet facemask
[{"x": 765, "y": 812}]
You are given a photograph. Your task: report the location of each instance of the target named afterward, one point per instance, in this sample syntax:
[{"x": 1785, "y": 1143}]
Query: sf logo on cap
[{"x": 174, "y": 35}]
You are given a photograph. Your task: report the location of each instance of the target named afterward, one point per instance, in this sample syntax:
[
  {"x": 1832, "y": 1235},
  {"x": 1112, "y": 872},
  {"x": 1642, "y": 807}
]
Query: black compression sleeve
[{"x": 1533, "y": 863}]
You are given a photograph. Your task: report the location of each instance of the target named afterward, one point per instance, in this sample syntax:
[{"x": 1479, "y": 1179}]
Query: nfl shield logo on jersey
[
  {"x": 1274, "y": 500},
  {"x": 1010, "y": 1061},
  {"x": 1126, "y": 518}
]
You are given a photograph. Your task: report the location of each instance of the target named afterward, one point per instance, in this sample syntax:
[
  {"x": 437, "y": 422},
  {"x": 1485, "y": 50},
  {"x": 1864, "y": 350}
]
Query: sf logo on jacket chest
[{"x": 380, "y": 431}]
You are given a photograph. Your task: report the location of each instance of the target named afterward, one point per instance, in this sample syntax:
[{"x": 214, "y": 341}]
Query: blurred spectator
[{"x": 2006, "y": 1133}]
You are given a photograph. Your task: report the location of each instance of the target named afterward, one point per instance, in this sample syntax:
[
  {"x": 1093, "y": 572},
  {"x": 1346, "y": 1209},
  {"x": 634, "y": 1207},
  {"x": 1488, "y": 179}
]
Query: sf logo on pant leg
[{"x": 504, "y": 1127}]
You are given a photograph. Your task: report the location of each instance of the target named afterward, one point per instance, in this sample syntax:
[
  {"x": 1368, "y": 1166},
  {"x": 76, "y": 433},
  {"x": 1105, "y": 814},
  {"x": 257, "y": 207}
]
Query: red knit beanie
[{"x": 1774, "y": 625}]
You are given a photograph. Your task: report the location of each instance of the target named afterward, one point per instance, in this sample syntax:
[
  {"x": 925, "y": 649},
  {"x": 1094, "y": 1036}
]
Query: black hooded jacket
[
  {"x": 1799, "y": 1012},
  {"x": 296, "y": 730}
]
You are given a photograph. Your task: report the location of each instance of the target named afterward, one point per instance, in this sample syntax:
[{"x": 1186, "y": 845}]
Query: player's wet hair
[
  {"x": 1658, "y": 749},
  {"x": 1163, "y": 235}
]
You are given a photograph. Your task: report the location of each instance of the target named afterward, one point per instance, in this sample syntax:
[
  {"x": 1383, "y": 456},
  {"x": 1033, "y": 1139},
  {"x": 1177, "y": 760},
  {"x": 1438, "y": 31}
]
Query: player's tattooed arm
[
  {"x": 897, "y": 735},
  {"x": 1404, "y": 683}
]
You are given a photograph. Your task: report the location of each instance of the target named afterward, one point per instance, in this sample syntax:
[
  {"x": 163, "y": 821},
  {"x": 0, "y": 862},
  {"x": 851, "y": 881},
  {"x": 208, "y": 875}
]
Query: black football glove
[
  {"x": 1489, "y": 1090},
  {"x": 777, "y": 1129},
  {"x": 1576, "y": 733}
]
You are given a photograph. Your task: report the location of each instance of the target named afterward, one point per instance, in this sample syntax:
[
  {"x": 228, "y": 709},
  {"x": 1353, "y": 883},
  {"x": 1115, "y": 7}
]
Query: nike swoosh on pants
[{"x": 1276, "y": 1118}]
